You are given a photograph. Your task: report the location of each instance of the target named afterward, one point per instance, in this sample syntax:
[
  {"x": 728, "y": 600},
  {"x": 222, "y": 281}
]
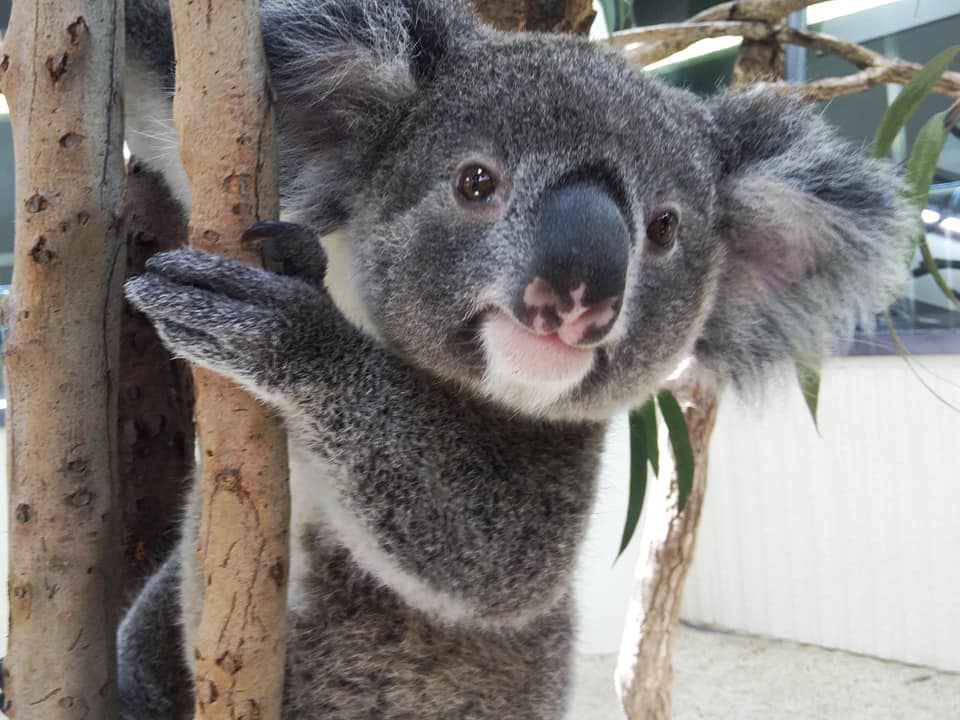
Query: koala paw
[
  {"x": 291, "y": 250},
  {"x": 220, "y": 313}
]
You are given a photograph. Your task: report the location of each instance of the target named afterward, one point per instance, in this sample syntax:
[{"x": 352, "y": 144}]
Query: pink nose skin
[{"x": 576, "y": 325}]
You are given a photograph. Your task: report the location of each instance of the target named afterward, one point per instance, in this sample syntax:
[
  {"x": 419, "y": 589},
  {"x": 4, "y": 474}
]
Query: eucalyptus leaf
[
  {"x": 680, "y": 442},
  {"x": 610, "y": 14},
  {"x": 639, "y": 456},
  {"x": 648, "y": 414},
  {"x": 922, "y": 165},
  {"x": 935, "y": 273},
  {"x": 909, "y": 99},
  {"x": 920, "y": 173},
  {"x": 808, "y": 375}
]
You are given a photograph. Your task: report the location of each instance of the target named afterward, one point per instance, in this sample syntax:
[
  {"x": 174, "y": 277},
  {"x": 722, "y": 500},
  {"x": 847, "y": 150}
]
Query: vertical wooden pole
[
  {"x": 60, "y": 72},
  {"x": 667, "y": 539},
  {"x": 224, "y": 118}
]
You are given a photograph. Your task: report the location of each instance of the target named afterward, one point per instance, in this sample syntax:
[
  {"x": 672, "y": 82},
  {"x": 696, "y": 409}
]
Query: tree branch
[
  {"x": 572, "y": 16},
  {"x": 876, "y": 69},
  {"x": 644, "y": 675},
  {"x": 224, "y": 118},
  {"x": 644, "y": 46},
  {"x": 61, "y": 76},
  {"x": 752, "y": 10}
]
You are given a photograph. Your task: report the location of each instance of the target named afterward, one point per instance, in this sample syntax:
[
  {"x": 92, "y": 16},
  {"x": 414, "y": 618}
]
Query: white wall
[{"x": 851, "y": 540}]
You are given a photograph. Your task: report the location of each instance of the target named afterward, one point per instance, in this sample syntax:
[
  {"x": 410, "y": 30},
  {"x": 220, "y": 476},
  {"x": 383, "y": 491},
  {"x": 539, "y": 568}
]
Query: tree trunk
[
  {"x": 574, "y": 16},
  {"x": 644, "y": 674},
  {"x": 61, "y": 76},
  {"x": 759, "y": 61},
  {"x": 155, "y": 422},
  {"x": 224, "y": 118}
]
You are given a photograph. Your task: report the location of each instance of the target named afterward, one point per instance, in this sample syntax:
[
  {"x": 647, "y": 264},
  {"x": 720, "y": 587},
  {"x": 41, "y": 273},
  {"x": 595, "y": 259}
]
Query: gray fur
[{"x": 434, "y": 579}]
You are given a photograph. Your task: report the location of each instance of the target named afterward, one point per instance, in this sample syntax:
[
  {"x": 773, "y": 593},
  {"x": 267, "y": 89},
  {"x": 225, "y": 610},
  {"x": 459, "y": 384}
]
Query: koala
[{"x": 492, "y": 243}]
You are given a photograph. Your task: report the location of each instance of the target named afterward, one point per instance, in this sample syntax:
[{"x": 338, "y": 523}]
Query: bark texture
[
  {"x": 644, "y": 675},
  {"x": 60, "y": 73},
  {"x": 155, "y": 421},
  {"x": 224, "y": 117},
  {"x": 573, "y": 16},
  {"x": 764, "y": 58}
]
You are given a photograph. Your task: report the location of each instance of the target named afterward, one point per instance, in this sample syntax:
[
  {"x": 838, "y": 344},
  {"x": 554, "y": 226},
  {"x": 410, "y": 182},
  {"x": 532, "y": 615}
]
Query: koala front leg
[{"x": 482, "y": 509}]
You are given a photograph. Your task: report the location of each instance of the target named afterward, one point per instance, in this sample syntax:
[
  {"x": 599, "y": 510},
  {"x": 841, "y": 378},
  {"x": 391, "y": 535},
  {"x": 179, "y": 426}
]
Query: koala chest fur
[
  {"x": 369, "y": 639},
  {"x": 493, "y": 243},
  {"x": 359, "y": 650}
]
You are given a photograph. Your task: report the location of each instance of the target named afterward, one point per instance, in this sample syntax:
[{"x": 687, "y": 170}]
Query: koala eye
[
  {"x": 476, "y": 183},
  {"x": 663, "y": 228}
]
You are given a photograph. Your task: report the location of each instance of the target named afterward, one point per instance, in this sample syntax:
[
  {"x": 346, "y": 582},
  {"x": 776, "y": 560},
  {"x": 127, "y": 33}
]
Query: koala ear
[
  {"x": 815, "y": 234},
  {"x": 338, "y": 66},
  {"x": 341, "y": 69}
]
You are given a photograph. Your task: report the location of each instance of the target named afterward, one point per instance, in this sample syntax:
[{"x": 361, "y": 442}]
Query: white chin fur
[{"x": 528, "y": 372}]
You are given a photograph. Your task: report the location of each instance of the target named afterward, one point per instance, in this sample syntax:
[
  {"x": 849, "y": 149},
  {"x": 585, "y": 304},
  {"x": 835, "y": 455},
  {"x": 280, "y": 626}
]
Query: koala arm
[{"x": 485, "y": 512}]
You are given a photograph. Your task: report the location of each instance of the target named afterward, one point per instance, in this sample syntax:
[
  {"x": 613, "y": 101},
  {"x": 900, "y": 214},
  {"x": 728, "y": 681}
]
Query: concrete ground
[{"x": 735, "y": 677}]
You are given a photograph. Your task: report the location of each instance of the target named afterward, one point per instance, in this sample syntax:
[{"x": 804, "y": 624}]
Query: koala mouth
[{"x": 517, "y": 355}]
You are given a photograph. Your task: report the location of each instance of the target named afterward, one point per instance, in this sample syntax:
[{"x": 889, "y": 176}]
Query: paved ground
[{"x": 733, "y": 677}]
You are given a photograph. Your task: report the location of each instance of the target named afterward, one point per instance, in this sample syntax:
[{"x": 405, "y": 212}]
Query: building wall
[{"x": 850, "y": 540}]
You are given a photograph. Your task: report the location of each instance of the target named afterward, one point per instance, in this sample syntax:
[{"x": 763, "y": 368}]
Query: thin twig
[{"x": 644, "y": 46}]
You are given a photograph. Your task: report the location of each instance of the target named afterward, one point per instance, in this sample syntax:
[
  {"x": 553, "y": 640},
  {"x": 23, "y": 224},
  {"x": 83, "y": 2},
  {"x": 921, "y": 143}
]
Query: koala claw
[{"x": 289, "y": 249}]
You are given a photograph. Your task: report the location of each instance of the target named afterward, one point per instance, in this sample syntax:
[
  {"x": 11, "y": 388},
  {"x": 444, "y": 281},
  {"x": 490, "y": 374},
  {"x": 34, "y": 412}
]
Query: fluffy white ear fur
[
  {"x": 775, "y": 235},
  {"x": 815, "y": 234}
]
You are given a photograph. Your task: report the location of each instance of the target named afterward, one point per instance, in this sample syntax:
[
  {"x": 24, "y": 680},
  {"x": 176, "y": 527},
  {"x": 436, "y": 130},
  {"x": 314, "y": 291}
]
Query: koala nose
[{"x": 578, "y": 271}]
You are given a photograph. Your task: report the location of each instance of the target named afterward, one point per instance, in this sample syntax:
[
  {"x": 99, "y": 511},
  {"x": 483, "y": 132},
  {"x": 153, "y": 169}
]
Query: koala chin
[{"x": 491, "y": 243}]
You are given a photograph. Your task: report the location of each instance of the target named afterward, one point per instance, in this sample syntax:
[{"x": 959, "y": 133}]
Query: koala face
[
  {"x": 531, "y": 218},
  {"x": 535, "y": 245}
]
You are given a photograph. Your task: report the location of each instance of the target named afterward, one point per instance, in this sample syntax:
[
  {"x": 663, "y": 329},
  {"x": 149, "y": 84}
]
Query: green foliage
[
  {"x": 921, "y": 168},
  {"x": 649, "y": 419},
  {"x": 639, "y": 457},
  {"x": 618, "y": 14},
  {"x": 909, "y": 99},
  {"x": 680, "y": 442},
  {"x": 644, "y": 451},
  {"x": 808, "y": 374}
]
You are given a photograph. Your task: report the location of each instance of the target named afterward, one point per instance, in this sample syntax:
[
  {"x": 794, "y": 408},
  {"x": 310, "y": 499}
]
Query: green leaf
[
  {"x": 909, "y": 99},
  {"x": 808, "y": 375},
  {"x": 935, "y": 273},
  {"x": 922, "y": 165},
  {"x": 648, "y": 415},
  {"x": 921, "y": 169},
  {"x": 638, "y": 477},
  {"x": 680, "y": 442},
  {"x": 608, "y": 17}
]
